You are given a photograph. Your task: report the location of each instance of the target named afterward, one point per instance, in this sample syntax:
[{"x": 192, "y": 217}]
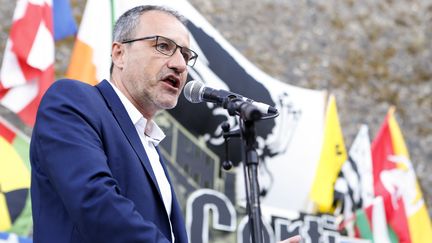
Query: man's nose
[{"x": 177, "y": 61}]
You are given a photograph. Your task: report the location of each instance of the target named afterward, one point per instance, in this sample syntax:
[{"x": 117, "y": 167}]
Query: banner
[{"x": 282, "y": 141}]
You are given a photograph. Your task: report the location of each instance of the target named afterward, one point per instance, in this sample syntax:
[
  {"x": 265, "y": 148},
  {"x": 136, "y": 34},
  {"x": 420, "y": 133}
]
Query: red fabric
[
  {"x": 369, "y": 212},
  {"x": 382, "y": 147},
  {"x": 23, "y": 31},
  {"x": 28, "y": 114},
  {"x": 22, "y": 36},
  {"x": 3, "y": 91},
  {"x": 6, "y": 133}
]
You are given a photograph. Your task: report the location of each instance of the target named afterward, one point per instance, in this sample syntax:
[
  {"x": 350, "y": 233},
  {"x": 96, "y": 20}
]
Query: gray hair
[{"x": 127, "y": 23}]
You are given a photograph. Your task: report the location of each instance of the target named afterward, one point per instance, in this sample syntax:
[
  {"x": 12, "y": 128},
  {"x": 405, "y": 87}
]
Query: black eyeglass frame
[{"x": 192, "y": 58}]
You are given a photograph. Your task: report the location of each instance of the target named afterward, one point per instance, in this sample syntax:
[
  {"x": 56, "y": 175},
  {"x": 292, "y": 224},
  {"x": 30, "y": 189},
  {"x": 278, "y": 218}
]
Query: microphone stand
[{"x": 248, "y": 114}]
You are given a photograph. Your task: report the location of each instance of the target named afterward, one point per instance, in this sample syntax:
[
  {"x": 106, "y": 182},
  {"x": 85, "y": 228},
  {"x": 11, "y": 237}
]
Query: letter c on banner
[{"x": 198, "y": 207}]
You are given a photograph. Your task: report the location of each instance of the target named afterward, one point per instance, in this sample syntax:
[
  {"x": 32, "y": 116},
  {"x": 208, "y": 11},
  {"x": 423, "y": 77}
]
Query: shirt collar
[{"x": 151, "y": 130}]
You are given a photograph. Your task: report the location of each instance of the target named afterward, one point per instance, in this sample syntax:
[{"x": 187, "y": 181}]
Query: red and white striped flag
[{"x": 28, "y": 62}]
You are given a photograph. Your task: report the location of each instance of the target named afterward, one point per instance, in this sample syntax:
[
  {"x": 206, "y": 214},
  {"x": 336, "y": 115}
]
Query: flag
[
  {"x": 28, "y": 62},
  {"x": 64, "y": 22},
  {"x": 15, "y": 208},
  {"x": 354, "y": 185},
  {"x": 395, "y": 181},
  {"x": 333, "y": 155},
  {"x": 360, "y": 154},
  {"x": 91, "y": 58},
  {"x": 371, "y": 223}
]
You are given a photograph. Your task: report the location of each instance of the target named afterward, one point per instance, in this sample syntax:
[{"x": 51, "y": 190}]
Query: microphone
[{"x": 197, "y": 92}]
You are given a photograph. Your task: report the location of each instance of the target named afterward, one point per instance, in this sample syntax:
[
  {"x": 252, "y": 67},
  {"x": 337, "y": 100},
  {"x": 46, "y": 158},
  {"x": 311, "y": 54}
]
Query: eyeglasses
[{"x": 169, "y": 47}]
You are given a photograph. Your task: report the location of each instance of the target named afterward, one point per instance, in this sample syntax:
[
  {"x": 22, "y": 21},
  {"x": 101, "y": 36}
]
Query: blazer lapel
[
  {"x": 127, "y": 126},
  {"x": 176, "y": 216},
  {"x": 176, "y": 213}
]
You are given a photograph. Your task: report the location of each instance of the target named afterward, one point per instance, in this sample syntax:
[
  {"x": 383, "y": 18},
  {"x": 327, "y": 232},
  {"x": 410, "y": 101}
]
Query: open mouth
[{"x": 172, "y": 80}]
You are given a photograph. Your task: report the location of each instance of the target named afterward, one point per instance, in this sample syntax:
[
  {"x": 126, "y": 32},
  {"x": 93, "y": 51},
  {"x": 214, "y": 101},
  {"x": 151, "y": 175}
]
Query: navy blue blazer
[{"x": 91, "y": 178}]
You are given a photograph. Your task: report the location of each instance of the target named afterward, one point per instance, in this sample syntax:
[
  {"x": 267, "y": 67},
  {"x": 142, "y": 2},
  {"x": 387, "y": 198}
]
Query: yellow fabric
[
  {"x": 13, "y": 175},
  {"x": 398, "y": 142},
  {"x": 333, "y": 155},
  {"x": 420, "y": 226},
  {"x": 418, "y": 218},
  {"x": 5, "y": 221}
]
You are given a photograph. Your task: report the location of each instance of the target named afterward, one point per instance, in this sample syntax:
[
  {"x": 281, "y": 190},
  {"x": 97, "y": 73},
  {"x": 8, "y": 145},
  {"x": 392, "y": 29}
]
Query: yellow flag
[{"x": 333, "y": 155}]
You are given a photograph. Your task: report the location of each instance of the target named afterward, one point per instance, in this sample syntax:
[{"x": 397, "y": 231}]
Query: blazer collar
[
  {"x": 127, "y": 126},
  {"x": 147, "y": 127}
]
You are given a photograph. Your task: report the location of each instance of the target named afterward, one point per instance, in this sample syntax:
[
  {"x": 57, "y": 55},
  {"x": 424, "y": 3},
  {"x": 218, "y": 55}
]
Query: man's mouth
[{"x": 172, "y": 80}]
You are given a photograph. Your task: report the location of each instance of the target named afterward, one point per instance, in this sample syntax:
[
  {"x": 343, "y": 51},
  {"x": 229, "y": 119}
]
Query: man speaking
[{"x": 97, "y": 175}]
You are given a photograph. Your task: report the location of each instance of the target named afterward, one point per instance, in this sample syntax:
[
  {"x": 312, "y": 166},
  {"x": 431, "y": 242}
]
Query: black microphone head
[{"x": 193, "y": 91}]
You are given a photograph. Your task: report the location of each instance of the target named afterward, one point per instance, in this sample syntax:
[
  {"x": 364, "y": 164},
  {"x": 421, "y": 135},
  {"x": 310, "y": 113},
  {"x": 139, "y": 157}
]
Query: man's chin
[{"x": 168, "y": 105}]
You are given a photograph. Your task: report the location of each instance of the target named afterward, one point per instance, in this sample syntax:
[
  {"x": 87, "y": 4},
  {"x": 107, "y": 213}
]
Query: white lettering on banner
[{"x": 312, "y": 228}]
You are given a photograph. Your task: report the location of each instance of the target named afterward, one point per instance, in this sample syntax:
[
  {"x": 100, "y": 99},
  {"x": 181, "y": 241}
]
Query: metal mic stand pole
[
  {"x": 248, "y": 114},
  {"x": 250, "y": 158}
]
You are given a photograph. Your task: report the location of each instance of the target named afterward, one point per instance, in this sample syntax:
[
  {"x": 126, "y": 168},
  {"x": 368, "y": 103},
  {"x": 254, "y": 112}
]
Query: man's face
[{"x": 153, "y": 80}]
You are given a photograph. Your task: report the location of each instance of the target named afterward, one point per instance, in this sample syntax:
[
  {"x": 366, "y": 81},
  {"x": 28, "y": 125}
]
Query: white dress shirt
[{"x": 151, "y": 135}]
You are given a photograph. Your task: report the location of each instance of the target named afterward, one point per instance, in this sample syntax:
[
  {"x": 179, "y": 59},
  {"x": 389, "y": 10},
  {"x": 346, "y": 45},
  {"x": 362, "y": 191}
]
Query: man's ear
[{"x": 117, "y": 54}]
